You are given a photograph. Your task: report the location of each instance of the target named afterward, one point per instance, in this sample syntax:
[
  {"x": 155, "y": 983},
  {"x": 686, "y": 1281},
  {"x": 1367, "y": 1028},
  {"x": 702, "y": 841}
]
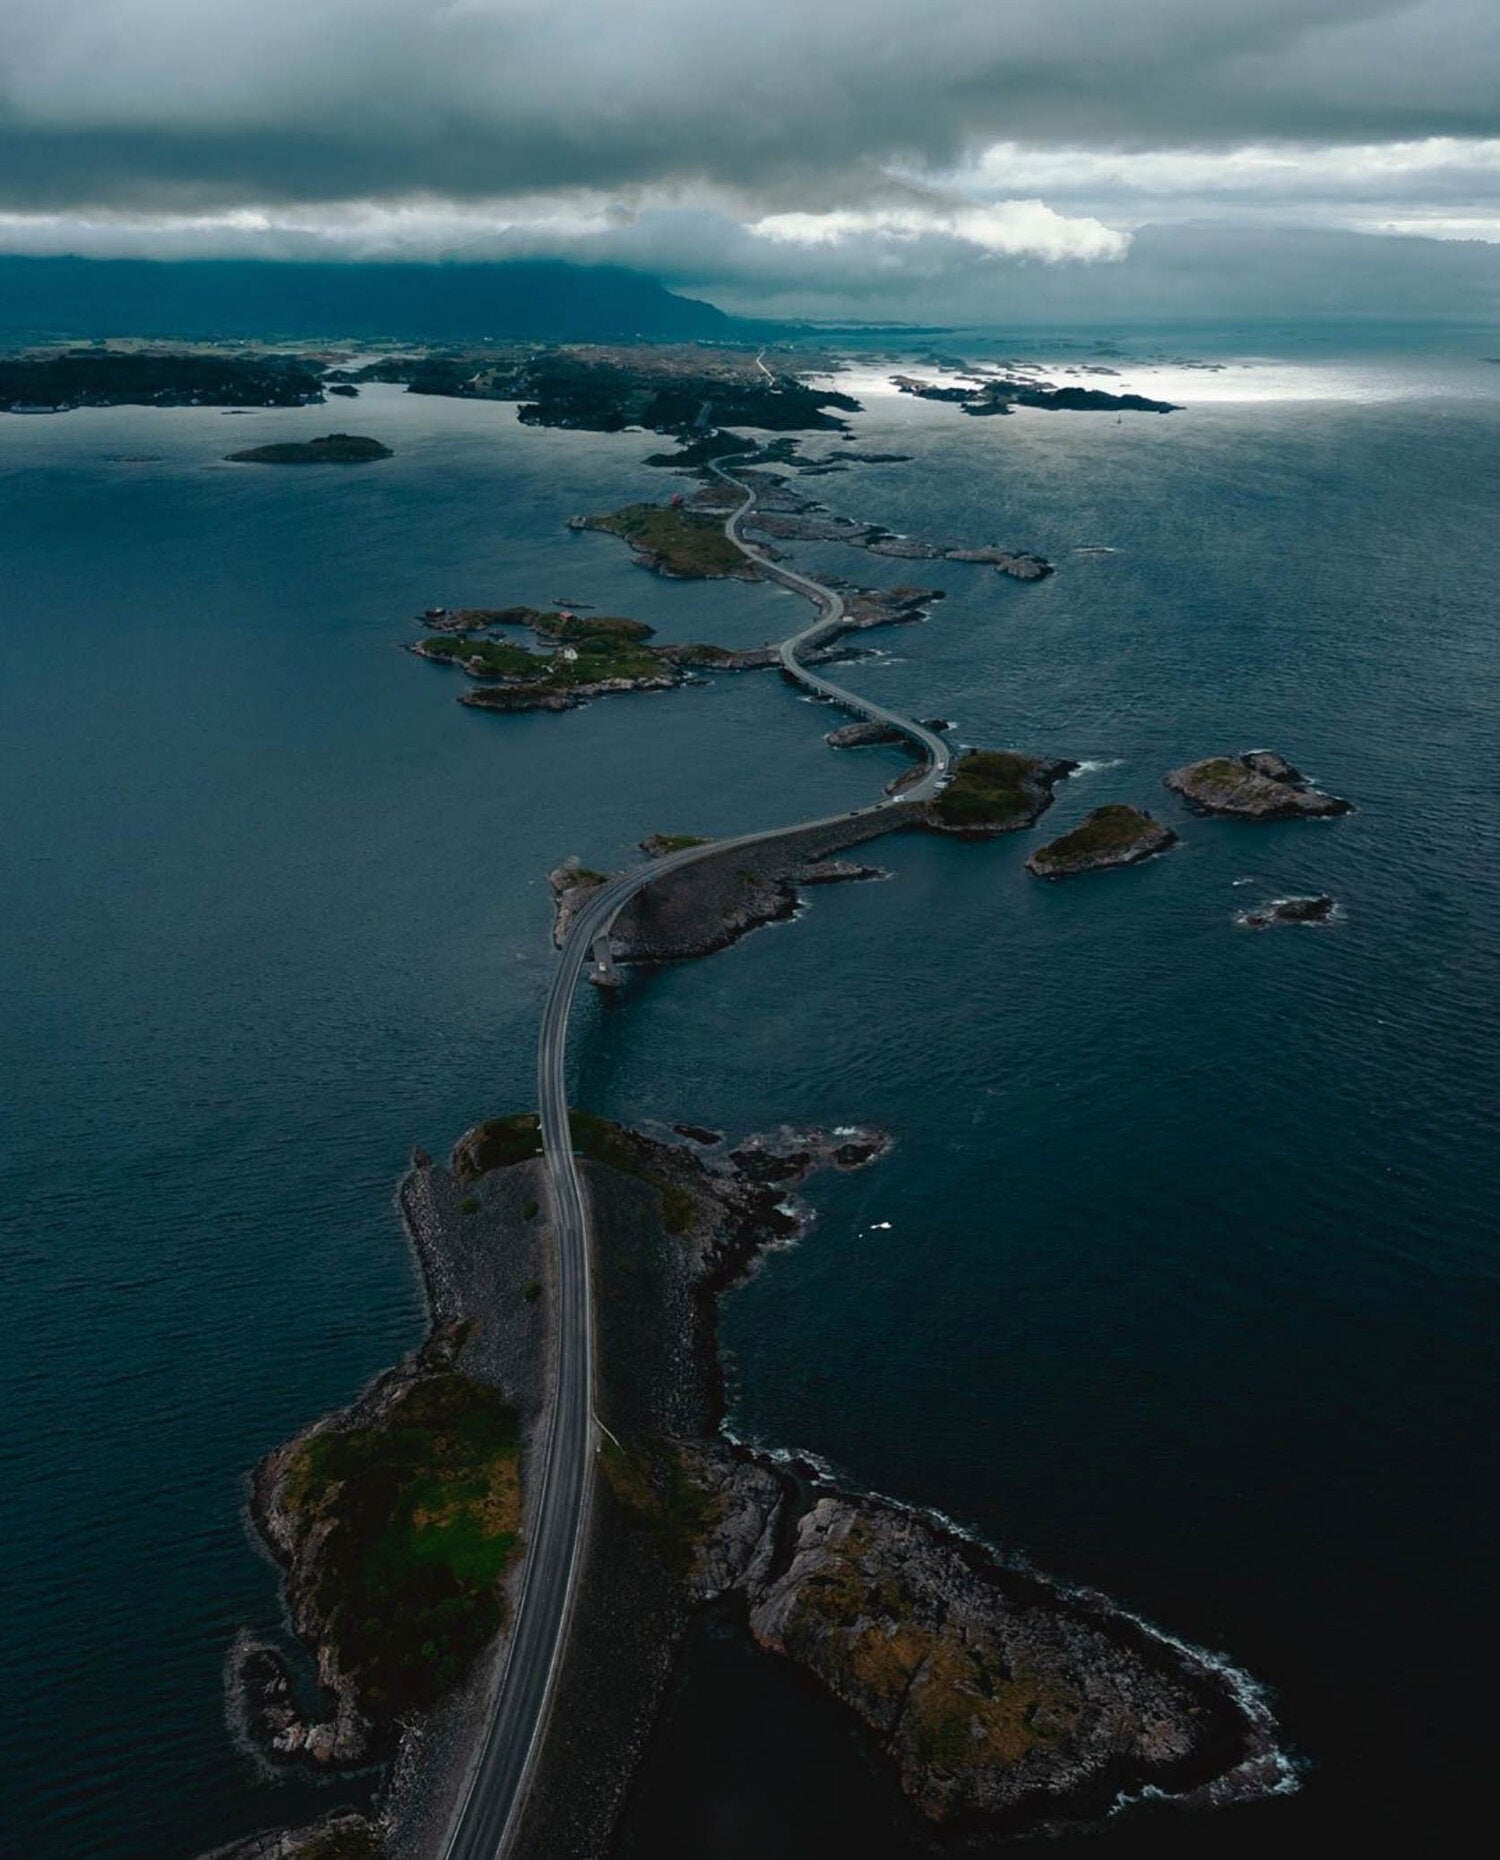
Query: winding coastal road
[{"x": 488, "y": 1820}]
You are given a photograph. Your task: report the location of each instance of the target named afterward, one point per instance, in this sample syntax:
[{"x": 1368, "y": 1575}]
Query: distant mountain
[{"x": 66, "y": 299}]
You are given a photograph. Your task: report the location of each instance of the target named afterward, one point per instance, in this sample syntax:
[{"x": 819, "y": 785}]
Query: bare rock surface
[
  {"x": 1274, "y": 767},
  {"x": 696, "y": 909},
  {"x": 737, "y": 1539},
  {"x": 1001, "y": 1699},
  {"x": 1259, "y": 785},
  {"x": 784, "y": 515},
  {"x": 570, "y": 884}
]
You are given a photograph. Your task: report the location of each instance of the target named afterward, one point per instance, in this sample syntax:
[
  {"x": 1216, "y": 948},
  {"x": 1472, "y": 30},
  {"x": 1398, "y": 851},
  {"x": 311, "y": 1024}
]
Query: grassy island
[
  {"x": 674, "y": 541},
  {"x": 415, "y": 1510},
  {"x": 994, "y": 791},
  {"x": 579, "y": 656},
  {"x": 331, "y": 449},
  {"x": 1110, "y": 835}
]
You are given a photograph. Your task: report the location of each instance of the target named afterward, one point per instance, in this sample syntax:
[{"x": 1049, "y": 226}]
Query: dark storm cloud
[{"x": 187, "y": 104}]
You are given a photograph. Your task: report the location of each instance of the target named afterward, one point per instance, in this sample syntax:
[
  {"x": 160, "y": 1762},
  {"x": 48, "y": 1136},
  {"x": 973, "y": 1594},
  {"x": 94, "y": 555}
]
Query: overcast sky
[{"x": 954, "y": 160}]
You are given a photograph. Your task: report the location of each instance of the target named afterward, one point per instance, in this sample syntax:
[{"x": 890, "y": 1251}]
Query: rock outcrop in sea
[
  {"x": 1002, "y": 1700},
  {"x": 1258, "y": 785},
  {"x": 1111, "y": 835},
  {"x": 1318, "y": 910}
]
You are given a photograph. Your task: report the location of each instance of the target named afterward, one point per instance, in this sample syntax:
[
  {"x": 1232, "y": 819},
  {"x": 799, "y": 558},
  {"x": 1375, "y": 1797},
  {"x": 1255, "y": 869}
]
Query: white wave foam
[{"x": 1102, "y": 762}]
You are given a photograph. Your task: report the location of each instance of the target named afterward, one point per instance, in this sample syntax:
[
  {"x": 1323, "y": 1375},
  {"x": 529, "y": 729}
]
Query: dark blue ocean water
[{"x": 1188, "y": 1288}]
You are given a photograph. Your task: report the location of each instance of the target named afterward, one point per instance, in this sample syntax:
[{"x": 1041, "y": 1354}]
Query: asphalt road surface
[{"x": 489, "y": 1818}]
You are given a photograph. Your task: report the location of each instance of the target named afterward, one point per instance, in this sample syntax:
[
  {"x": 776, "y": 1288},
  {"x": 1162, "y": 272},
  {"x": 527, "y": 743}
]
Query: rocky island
[
  {"x": 150, "y": 378},
  {"x": 1258, "y": 785},
  {"x": 1001, "y": 395},
  {"x": 603, "y": 655},
  {"x": 331, "y": 449},
  {"x": 1111, "y": 835},
  {"x": 588, "y": 656},
  {"x": 996, "y": 791}
]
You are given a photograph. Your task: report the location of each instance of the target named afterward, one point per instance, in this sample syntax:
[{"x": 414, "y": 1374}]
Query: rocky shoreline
[
  {"x": 783, "y": 514},
  {"x": 1003, "y": 1701}
]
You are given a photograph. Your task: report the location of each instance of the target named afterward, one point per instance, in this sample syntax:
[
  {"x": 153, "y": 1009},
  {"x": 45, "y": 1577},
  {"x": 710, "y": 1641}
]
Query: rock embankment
[
  {"x": 871, "y": 735},
  {"x": 783, "y": 514},
  {"x": 1111, "y": 835},
  {"x": 1258, "y": 785},
  {"x": 699, "y": 908},
  {"x": 337, "y": 1837},
  {"x": 696, "y": 909}
]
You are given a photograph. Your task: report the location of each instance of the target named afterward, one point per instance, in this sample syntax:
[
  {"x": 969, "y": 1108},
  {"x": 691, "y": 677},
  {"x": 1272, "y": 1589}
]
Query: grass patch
[
  {"x": 673, "y": 842},
  {"x": 1220, "y": 772},
  {"x": 992, "y": 788},
  {"x": 603, "y": 659},
  {"x": 420, "y": 1513},
  {"x": 496, "y": 658},
  {"x": 343, "y": 1844},
  {"x": 1109, "y": 829},
  {"x": 703, "y": 652},
  {"x": 652, "y": 1485},
  {"x": 503, "y": 1141},
  {"x": 615, "y": 652},
  {"x": 679, "y": 540},
  {"x": 590, "y": 632},
  {"x": 498, "y": 1143}
]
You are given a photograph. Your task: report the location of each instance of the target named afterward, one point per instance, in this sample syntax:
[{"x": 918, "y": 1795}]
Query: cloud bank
[{"x": 849, "y": 152}]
